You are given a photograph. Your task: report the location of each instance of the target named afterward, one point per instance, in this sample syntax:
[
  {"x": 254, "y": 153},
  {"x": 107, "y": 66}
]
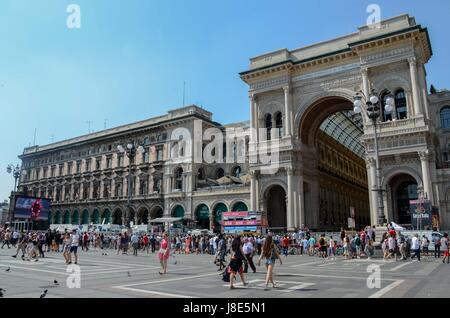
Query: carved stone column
[
  {"x": 287, "y": 111},
  {"x": 415, "y": 85},
  {"x": 425, "y": 162}
]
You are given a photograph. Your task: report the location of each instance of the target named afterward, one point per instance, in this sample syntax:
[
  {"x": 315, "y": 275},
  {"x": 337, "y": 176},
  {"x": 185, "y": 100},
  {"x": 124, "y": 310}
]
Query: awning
[{"x": 166, "y": 220}]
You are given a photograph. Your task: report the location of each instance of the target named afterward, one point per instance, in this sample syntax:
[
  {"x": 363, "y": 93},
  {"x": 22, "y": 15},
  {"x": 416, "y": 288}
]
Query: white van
[{"x": 431, "y": 235}]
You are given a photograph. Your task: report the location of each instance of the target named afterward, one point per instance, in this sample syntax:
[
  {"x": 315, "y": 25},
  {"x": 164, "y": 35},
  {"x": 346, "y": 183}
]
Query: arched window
[
  {"x": 385, "y": 115},
  {"x": 268, "y": 125},
  {"x": 236, "y": 172},
  {"x": 400, "y": 104},
  {"x": 279, "y": 123},
  {"x": 179, "y": 179},
  {"x": 445, "y": 117},
  {"x": 220, "y": 173}
]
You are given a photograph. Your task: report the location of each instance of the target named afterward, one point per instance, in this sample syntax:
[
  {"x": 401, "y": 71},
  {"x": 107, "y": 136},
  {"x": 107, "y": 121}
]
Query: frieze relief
[
  {"x": 270, "y": 83},
  {"x": 400, "y": 52}
]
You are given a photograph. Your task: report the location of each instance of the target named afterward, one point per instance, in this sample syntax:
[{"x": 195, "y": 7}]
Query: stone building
[
  {"x": 301, "y": 101},
  {"x": 306, "y": 87},
  {"x": 87, "y": 178}
]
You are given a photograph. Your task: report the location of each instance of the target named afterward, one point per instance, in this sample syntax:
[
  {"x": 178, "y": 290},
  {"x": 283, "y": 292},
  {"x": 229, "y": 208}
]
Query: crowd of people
[{"x": 233, "y": 254}]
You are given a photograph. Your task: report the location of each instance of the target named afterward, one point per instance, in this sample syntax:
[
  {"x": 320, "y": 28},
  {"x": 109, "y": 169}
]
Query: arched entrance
[
  {"x": 157, "y": 212},
  {"x": 85, "y": 217},
  {"x": 117, "y": 217},
  {"x": 178, "y": 212},
  {"x": 131, "y": 215},
  {"x": 239, "y": 206},
  {"x": 202, "y": 216},
  {"x": 403, "y": 189},
  {"x": 275, "y": 205},
  {"x": 67, "y": 217},
  {"x": 76, "y": 217},
  {"x": 96, "y": 217},
  {"x": 57, "y": 219},
  {"x": 106, "y": 217},
  {"x": 335, "y": 180},
  {"x": 218, "y": 211},
  {"x": 143, "y": 216}
]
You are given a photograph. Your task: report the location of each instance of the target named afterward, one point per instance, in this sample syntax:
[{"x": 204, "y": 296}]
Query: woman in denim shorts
[{"x": 271, "y": 254}]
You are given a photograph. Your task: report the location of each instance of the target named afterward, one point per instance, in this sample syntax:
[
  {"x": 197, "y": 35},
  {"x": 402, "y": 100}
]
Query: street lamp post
[
  {"x": 130, "y": 150},
  {"x": 15, "y": 171},
  {"x": 373, "y": 107}
]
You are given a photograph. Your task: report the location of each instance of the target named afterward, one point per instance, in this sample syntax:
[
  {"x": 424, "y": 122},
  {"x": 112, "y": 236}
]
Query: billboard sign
[{"x": 31, "y": 208}]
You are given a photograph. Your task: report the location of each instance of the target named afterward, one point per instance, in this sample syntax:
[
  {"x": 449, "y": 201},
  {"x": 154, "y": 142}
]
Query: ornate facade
[
  {"x": 300, "y": 99},
  {"x": 308, "y": 85},
  {"x": 87, "y": 177}
]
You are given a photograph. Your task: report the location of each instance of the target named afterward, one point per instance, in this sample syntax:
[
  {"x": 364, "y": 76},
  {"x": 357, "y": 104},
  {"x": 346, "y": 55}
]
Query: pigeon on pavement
[{"x": 44, "y": 294}]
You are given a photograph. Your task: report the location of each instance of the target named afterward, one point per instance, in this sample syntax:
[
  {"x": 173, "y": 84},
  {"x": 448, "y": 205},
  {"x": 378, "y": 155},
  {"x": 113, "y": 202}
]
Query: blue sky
[{"x": 130, "y": 58}]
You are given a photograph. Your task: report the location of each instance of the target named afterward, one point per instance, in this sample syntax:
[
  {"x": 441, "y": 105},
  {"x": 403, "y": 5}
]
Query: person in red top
[
  {"x": 145, "y": 243},
  {"x": 285, "y": 245}
]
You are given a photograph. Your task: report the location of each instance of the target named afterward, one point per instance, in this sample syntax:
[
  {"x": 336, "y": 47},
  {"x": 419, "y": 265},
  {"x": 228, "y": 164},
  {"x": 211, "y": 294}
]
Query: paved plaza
[{"x": 195, "y": 276}]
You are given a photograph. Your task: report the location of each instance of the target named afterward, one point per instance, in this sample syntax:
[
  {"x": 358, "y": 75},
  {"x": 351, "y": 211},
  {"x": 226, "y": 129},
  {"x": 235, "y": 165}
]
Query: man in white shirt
[
  {"x": 248, "y": 251},
  {"x": 415, "y": 246}
]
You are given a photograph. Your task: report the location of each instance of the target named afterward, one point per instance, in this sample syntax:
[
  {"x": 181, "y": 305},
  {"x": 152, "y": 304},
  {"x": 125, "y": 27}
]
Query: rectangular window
[
  {"x": 109, "y": 163},
  {"x": 78, "y": 167},
  {"x": 88, "y": 165},
  {"x": 61, "y": 167},
  {"x": 97, "y": 164},
  {"x": 52, "y": 171},
  {"x": 120, "y": 161},
  {"x": 146, "y": 157},
  {"x": 159, "y": 154},
  {"x": 69, "y": 168}
]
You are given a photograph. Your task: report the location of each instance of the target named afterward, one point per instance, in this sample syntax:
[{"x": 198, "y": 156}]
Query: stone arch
[
  {"x": 143, "y": 215},
  {"x": 178, "y": 210},
  {"x": 50, "y": 217},
  {"x": 239, "y": 205},
  {"x": 76, "y": 217},
  {"x": 95, "y": 216},
  {"x": 66, "y": 217},
  {"x": 272, "y": 183},
  {"x": 217, "y": 208},
  {"x": 117, "y": 216},
  {"x": 275, "y": 205},
  {"x": 156, "y": 211},
  {"x": 131, "y": 214},
  {"x": 57, "y": 217},
  {"x": 85, "y": 217},
  {"x": 304, "y": 105},
  {"x": 387, "y": 177},
  {"x": 271, "y": 106},
  {"x": 106, "y": 215},
  {"x": 202, "y": 215},
  {"x": 392, "y": 83}
]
